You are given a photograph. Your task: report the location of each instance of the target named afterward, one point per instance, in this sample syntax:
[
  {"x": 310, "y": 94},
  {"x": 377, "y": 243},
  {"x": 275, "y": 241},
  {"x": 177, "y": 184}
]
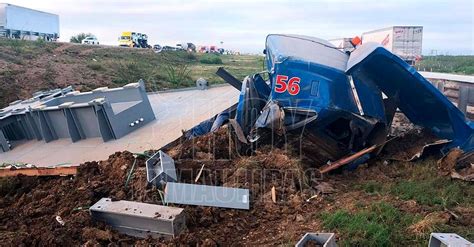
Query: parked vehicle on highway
[
  {"x": 190, "y": 47},
  {"x": 203, "y": 49},
  {"x": 169, "y": 48},
  {"x": 157, "y": 48},
  {"x": 90, "y": 41},
  {"x": 133, "y": 39}
]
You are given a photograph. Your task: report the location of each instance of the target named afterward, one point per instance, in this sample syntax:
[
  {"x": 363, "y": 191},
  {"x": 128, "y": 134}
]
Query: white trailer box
[
  {"x": 342, "y": 43},
  {"x": 24, "y": 23},
  {"x": 404, "y": 41}
]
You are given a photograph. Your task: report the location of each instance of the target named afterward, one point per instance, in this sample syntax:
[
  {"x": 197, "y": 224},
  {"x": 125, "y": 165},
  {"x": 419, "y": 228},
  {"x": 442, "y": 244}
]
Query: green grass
[
  {"x": 102, "y": 66},
  {"x": 95, "y": 66},
  {"x": 447, "y": 64},
  {"x": 432, "y": 192},
  {"x": 27, "y": 49},
  {"x": 371, "y": 187},
  {"x": 172, "y": 69},
  {"x": 210, "y": 59},
  {"x": 380, "y": 224},
  {"x": 421, "y": 182}
]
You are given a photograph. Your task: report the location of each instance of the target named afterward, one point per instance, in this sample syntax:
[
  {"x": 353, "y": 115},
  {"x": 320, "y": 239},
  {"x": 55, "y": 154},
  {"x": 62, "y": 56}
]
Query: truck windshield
[{"x": 125, "y": 37}]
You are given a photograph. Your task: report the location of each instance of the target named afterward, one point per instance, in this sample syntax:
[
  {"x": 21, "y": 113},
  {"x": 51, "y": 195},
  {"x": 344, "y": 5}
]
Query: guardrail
[{"x": 458, "y": 88}]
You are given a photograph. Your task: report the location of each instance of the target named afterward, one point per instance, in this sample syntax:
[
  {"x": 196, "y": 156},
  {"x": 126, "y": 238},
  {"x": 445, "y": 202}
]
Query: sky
[{"x": 448, "y": 25}]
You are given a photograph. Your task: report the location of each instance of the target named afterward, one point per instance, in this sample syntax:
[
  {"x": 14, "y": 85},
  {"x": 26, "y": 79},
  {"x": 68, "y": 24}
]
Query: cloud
[{"x": 243, "y": 25}]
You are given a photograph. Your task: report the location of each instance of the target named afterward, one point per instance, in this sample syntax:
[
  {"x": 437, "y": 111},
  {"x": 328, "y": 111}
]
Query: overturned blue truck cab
[
  {"x": 311, "y": 93},
  {"x": 343, "y": 102}
]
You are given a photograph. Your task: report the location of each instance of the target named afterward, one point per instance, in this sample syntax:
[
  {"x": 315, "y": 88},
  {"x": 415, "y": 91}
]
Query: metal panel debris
[
  {"x": 205, "y": 195},
  {"x": 448, "y": 240},
  {"x": 139, "y": 219},
  {"x": 103, "y": 112},
  {"x": 317, "y": 239},
  {"x": 160, "y": 169},
  {"x": 417, "y": 98}
]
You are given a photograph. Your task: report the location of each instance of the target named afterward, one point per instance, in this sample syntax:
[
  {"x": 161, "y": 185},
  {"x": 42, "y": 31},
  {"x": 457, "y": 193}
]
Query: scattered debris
[
  {"x": 255, "y": 141},
  {"x": 274, "y": 196},
  {"x": 346, "y": 160},
  {"x": 205, "y": 195},
  {"x": 324, "y": 188},
  {"x": 202, "y": 84},
  {"x": 139, "y": 219},
  {"x": 429, "y": 223},
  {"x": 416, "y": 143},
  {"x": 457, "y": 164},
  {"x": 60, "y": 220},
  {"x": 38, "y": 171},
  {"x": 317, "y": 239},
  {"x": 160, "y": 169},
  {"x": 199, "y": 174},
  {"x": 448, "y": 240},
  {"x": 312, "y": 197},
  {"x": 447, "y": 164}
]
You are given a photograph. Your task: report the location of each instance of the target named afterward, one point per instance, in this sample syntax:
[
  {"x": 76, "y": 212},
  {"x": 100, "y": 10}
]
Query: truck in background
[
  {"x": 133, "y": 39},
  {"x": 23, "y": 23},
  {"x": 404, "y": 41},
  {"x": 187, "y": 46}
]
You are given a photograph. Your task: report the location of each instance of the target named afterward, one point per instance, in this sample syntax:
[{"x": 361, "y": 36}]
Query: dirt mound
[
  {"x": 39, "y": 200},
  {"x": 29, "y": 206}
]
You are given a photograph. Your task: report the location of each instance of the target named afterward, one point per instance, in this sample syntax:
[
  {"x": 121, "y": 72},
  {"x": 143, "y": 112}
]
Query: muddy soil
[
  {"x": 408, "y": 145},
  {"x": 29, "y": 205}
]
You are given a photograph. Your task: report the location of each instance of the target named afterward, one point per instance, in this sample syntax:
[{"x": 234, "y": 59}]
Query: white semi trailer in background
[
  {"x": 404, "y": 41},
  {"x": 23, "y": 23}
]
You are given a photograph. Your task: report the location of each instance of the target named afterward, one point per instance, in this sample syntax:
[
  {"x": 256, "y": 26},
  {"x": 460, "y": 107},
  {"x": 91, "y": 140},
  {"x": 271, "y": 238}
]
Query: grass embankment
[
  {"x": 447, "y": 64},
  {"x": 402, "y": 207},
  {"x": 30, "y": 66}
]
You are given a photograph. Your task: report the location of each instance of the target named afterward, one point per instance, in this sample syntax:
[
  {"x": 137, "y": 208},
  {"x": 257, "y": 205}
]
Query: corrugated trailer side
[
  {"x": 407, "y": 42},
  {"x": 404, "y": 41}
]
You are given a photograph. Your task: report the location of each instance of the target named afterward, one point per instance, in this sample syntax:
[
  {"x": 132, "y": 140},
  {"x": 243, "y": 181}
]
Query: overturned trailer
[
  {"x": 342, "y": 102},
  {"x": 63, "y": 113}
]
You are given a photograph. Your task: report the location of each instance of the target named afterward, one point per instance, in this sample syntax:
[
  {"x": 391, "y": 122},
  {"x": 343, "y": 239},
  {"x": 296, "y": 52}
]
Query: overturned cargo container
[{"x": 103, "y": 112}]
